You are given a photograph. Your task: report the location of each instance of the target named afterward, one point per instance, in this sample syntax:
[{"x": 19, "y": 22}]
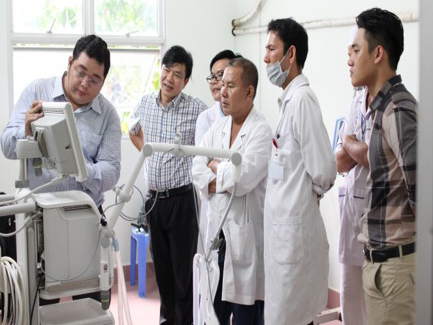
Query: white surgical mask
[{"x": 276, "y": 74}]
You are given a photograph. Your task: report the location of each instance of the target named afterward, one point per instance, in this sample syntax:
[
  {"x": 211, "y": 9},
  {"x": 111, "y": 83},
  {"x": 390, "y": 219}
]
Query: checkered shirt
[
  {"x": 389, "y": 219},
  {"x": 160, "y": 124}
]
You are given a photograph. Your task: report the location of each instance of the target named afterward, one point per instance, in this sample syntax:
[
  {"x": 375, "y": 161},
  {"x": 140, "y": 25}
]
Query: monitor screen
[{"x": 58, "y": 141}]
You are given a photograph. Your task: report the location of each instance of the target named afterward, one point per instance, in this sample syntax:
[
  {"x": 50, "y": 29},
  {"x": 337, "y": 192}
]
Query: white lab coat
[
  {"x": 351, "y": 197},
  {"x": 243, "y": 278},
  {"x": 204, "y": 121},
  {"x": 296, "y": 247},
  {"x": 352, "y": 202}
]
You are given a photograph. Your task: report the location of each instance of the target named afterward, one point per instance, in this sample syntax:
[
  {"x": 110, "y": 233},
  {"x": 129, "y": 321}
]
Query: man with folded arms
[{"x": 388, "y": 223}]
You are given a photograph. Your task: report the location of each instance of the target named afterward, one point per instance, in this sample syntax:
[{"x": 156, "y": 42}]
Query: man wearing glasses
[
  {"x": 97, "y": 121},
  {"x": 163, "y": 116},
  {"x": 209, "y": 116},
  {"x": 204, "y": 121}
]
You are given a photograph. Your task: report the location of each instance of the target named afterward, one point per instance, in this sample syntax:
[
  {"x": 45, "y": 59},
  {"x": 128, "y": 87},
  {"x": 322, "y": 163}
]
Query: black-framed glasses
[{"x": 215, "y": 77}]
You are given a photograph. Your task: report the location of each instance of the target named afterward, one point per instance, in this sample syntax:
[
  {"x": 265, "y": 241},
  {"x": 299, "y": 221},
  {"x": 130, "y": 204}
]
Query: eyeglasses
[
  {"x": 215, "y": 77},
  {"x": 92, "y": 81}
]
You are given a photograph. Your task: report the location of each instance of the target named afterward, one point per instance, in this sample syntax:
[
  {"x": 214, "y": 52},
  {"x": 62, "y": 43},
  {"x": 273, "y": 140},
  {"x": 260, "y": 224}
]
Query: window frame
[
  {"x": 130, "y": 43},
  {"x": 89, "y": 28}
]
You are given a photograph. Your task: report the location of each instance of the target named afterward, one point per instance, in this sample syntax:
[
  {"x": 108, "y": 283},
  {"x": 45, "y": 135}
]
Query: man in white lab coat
[
  {"x": 204, "y": 121},
  {"x": 352, "y": 158},
  {"x": 241, "y": 286},
  {"x": 302, "y": 168}
]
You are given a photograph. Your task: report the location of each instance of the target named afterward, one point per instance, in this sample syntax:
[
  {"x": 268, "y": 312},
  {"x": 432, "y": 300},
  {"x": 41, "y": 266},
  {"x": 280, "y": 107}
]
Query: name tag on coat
[{"x": 276, "y": 170}]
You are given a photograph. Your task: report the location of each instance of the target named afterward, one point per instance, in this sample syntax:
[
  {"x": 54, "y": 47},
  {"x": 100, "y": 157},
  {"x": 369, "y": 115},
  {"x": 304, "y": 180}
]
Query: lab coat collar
[
  {"x": 298, "y": 81},
  {"x": 219, "y": 109},
  {"x": 362, "y": 101},
  {"x": 243, "y": 132},
  {"x": 59, "y": 92}
]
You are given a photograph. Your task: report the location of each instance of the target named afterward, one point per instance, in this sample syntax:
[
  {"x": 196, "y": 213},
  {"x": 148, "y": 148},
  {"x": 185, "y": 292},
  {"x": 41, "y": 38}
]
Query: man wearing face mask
[{"x": 301, "y": 170}]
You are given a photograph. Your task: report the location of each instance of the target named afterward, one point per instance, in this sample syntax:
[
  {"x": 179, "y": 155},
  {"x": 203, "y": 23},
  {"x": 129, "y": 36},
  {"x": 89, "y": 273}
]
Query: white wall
[{"x": 327, "y": 71}]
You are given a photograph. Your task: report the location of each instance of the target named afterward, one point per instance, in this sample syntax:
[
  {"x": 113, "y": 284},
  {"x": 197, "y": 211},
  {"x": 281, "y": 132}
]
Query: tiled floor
[
  {"x": 143, "y": 310},
  {"x": 146, "y": 310}
]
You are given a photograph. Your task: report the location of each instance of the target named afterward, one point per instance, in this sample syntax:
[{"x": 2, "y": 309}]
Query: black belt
[
  {"x": 165, "y": 194},
  {"x": 381, "y": 255}
]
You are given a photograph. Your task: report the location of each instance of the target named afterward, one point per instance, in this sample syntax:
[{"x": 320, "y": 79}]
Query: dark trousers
[
  {"x": 173, "y": 243},
  {"x": 242, "y": 314}
]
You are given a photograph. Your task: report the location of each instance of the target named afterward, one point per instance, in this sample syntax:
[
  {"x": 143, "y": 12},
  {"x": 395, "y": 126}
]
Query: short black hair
[
  {"x": 384, "y": 28},
  {"x": 178, "y": 55},
  {"x": 95, "y": 48},
  {"x": 250, "y": 75},
  {"x": 291, "y": 33},
  {"x": 225, "y": 54}
]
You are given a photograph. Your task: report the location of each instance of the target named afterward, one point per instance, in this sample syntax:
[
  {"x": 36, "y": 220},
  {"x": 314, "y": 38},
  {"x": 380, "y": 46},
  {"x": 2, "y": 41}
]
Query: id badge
[{"x": 276, "y": 169}]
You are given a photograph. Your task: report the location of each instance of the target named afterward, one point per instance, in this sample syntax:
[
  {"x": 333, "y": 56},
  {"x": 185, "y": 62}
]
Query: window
[
  {"x": 40, "y": 16},
  {"x": 44, "y": 32}
]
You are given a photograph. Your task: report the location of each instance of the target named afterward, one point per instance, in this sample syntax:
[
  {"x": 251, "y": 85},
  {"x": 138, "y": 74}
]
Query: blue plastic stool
[{"x": 139, "y": 239}]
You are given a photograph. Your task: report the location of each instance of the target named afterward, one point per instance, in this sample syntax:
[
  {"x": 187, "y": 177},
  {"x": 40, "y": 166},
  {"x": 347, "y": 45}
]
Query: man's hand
[
  {"x": 213, "y": 165},
  {"x": 35, "y": 112},
  {"x": 348, "y": 138},
  {"x": 212, "y": 187},
  {"x": 137, "y": 140},
  {"x": 356, "y": 149}
]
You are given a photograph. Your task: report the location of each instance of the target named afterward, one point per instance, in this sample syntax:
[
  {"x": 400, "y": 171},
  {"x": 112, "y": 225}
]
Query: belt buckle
[
  {"x": 166, "y": 194},
  {"x": 368, "y": 254}
]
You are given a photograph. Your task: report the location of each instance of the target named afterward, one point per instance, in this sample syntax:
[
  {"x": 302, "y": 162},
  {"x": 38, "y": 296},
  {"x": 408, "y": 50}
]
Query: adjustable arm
[
  {"x": 180, "y": 150},
  {"x": 125, "y": 195}
]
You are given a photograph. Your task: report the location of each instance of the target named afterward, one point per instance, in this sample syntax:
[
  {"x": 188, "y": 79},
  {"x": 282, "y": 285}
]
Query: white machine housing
[
  {"x": 66, "y": 240},
  {"x": 71, "y": 244}
]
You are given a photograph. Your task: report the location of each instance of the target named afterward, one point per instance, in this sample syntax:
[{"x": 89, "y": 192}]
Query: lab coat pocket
[
  {"x": 287, "y": 242},
  {"x": 240, "y": 210},
  {"x": 242, "y": 243},
  {"x": 359, "y": 206},
  {"x": 341, "y": 198},
  {"x": 289, "y": 155}
]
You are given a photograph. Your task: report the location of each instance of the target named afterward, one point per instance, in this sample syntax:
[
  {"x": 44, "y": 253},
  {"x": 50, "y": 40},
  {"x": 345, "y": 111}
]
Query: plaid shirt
[
  {"x": 389, "y": 219},
  {"x": 160, "y": 124}
]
